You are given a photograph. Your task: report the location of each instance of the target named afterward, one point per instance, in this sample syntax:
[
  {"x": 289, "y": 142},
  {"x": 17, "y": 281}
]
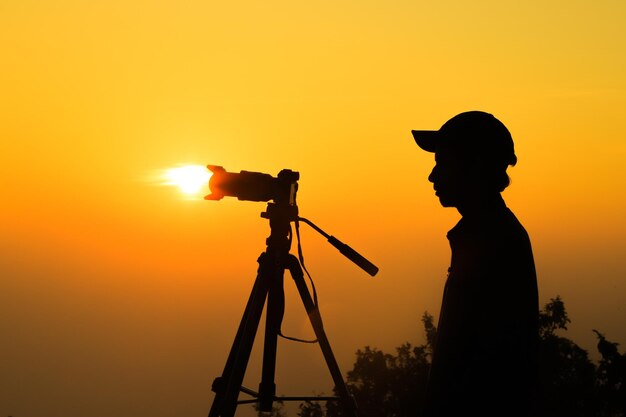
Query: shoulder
[
  {"x": 510, "y": 227},
  {"x": 505, "y": 237}
]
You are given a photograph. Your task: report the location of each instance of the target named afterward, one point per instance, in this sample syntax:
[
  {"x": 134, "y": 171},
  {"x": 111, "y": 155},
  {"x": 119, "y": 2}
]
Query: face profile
[{"x": 449, "y": 179}]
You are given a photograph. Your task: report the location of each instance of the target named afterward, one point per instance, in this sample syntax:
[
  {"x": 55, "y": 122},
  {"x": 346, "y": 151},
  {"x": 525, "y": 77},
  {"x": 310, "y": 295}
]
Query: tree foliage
[
  {"x": 384, "y": 384},
  {"x": 566, "y": 374},
  {"x": 611, "y": 378},
  {"x": 570, "y": 384}
]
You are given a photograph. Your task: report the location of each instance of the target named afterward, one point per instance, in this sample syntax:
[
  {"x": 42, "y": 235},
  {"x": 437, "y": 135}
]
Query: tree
[
  {"x": 552, "y": 318},
  {"x": 383, "y": 384},
  {"x": 570, "y": 384},
  {"x": 611, "y": 378},
  {"x": 566, "y": 374},
  {"x": 311, "y": 409}
]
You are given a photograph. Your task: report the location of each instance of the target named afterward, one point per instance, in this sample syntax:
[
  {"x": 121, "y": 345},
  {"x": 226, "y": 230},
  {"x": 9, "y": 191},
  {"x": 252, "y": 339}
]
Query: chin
[{"x": 446, "y": 202}]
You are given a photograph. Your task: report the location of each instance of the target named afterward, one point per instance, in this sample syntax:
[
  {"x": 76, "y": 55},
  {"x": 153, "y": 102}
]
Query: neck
[{"x": 480, "y": 203}]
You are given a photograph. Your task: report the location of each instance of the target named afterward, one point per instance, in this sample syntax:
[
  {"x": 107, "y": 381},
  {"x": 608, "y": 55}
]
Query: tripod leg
[
  {"x": 347, "y": 402},
  {"x": 275, "y": 312},
  {"x": 227, "y": 387}
]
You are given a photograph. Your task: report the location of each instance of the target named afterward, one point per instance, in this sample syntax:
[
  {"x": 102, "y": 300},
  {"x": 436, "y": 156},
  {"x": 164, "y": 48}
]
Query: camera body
[{"x": 253, "y": 186}]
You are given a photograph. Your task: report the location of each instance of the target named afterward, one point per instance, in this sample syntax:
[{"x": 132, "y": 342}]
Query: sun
[{"x": 190, "y": 179}]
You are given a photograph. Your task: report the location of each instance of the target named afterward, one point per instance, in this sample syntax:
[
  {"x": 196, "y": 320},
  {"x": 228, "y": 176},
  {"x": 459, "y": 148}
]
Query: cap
[{"x": 473, "y": 132}]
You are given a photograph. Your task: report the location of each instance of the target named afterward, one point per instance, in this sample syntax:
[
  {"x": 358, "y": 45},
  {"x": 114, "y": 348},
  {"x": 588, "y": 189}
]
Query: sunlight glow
[{"x": 188, "y": 178}]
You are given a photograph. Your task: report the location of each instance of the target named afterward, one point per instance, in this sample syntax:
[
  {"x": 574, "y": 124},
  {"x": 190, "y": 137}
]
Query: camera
[{"x": 253, "y": 186}]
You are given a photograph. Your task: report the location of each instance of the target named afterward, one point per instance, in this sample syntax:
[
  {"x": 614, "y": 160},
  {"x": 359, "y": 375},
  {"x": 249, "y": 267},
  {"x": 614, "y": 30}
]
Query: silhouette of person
[{"x": 485, "y": 355}]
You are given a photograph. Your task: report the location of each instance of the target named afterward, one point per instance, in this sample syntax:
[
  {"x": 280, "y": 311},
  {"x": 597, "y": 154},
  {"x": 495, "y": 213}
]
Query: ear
[
  {"x": 477, "y": 166},
  {"x": 480, "y": 173}
]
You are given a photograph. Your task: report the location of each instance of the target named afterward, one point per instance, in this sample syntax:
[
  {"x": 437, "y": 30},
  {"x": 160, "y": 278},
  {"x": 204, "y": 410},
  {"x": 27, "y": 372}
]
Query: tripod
[{"x": 268, "y": 286}]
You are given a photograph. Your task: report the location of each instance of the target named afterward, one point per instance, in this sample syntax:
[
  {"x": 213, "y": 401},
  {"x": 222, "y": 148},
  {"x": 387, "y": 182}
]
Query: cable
[{"x": 301, "y": 259}]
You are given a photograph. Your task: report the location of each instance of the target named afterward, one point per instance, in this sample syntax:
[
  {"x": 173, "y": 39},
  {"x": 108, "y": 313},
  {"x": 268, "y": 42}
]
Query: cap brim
[{"x": 428, "y": 140}]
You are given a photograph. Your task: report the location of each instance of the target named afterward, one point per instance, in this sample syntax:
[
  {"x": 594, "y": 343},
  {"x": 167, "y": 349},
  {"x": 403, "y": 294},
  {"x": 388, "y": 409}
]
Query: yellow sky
[{"x": 118, "y": 297}]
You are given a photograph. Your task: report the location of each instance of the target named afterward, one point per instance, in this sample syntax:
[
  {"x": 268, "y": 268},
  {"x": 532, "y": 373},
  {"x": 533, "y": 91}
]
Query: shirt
[{"x": 485, "y": 356}]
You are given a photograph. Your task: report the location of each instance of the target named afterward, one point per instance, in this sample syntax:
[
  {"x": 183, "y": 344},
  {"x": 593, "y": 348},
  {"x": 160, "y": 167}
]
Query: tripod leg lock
[
  {"x": 218, "y": 385},
  {"x": 267, "y": 393}
]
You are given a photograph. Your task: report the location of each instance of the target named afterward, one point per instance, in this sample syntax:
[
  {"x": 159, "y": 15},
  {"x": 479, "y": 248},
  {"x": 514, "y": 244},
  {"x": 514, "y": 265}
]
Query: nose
[{"x": 433, "y": 174}]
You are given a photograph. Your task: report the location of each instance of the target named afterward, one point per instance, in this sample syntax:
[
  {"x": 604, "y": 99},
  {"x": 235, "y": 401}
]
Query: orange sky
[{"x": 118, "y": 297}]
